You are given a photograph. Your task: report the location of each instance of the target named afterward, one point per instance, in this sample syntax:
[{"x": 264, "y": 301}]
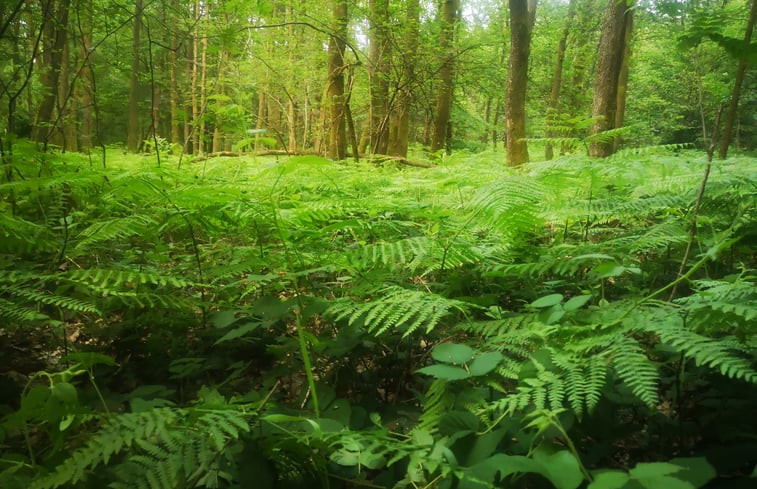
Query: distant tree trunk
[
  {"x": 335, "y": 94},
  {"x": 195, "y": 77},
  {"x": 725, "y": 138},
  {"x": 55, "y": 22},
  {"x": 203, "y": 91},
  {"x": 620, "y": 110},
  {"x": 554, "y": 97},
  {"x": 291, "y": 105},
  {"x": 87, "y": 128},
  {"x": 66, "y": 104},
  {"x": 450, "y": 12},
  {"x": 520, "y": 46},
  {"x": 133, "y": 132},
  {"x": 173, "y": 91},
  {"x": 611, "y": 48},
  {"x": 379, "y": 72},
  {"x": 217, "y": 132},
  {"x": 405, "y": 97}
]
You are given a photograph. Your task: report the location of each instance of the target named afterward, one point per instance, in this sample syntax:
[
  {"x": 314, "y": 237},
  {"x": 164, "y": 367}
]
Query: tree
[
  {"x": 378, "y": 56},
  {"x": 611, "y": 52},
  {"x": 520, "y": 42},
  {"x": 55, "y": 37},
  {"x": 725, "y": 138},
  {"x": 554, "y": 96},
  {"x": 450, "y": 13},
  {"x": 133, "y": 133},
  {"x": 335, "y": 83},
  {"x": 401, "y": 129}
]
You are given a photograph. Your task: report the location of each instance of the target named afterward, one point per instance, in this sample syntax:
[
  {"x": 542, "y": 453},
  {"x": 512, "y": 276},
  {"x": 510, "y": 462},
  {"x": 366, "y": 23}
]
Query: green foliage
[{"x": 466, "y": 324}]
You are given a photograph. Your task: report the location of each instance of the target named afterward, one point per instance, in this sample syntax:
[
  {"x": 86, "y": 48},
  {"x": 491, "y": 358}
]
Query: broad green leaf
[
  {"x": 422, "y": 438},
  {"x": 561, "y": 468},
  {"x": 547, "y": 301},
  {"x": 452, "y": 353},
  {"x": 576, "y": 302},
  {"x": 88, "y": 359},
  {"x": 654, "y": 469},
  {"x": 66, "y": 422},
  {"x": 612, "y": 479},
  {"x": 606, "y": 270},
  {"x": 665, "y": 482},
  {"x": 484, "y": 363},
  {"x": 698, "y": 470},
  {"x": 65, "y": 392},
  {"x": 238, "y": 332},
  {"x": 445, "y": 372}
]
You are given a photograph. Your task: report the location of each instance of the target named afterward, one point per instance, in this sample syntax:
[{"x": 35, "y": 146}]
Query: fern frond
[
  {"x": 397, "y": 308},
  {"x": 636, "y": 370}
]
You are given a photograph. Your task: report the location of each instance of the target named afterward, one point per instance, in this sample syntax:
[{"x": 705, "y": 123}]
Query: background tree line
[{"x": 373, "y": 76}]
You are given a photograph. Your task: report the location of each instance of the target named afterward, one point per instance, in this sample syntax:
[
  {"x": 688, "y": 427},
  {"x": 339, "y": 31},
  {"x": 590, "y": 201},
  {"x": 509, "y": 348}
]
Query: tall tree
[
  {"x": 133, "y": 132},
  {"x": 87, "y": 128},
  {"x": 379, "y": 71},
  {"x": 611, "y": 50},
  {"x": 335, "y": 83},
  {"x": 521, "y": 19},
  {"x": 733, "y": 107},
  {"x": 554, "y": 95},
  {"x": 450, "y": 13},
  {"x": 400, "y": 131},
  {"x": 55, "y": 36}
]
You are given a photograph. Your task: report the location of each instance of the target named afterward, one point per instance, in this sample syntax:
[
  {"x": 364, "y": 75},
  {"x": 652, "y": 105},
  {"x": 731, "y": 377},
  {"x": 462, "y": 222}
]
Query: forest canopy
[{"x": 447, "y": 244}]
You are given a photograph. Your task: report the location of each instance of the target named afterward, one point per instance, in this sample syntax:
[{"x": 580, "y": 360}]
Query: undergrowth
[{"x": 245, "y": 322}]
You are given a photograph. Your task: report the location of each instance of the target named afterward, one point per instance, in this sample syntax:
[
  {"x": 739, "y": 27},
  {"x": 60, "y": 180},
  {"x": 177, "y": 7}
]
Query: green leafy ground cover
[{"x": 244, "y": 322}]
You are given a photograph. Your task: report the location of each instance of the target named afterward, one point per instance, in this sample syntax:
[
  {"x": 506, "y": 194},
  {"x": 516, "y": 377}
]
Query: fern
[
  {"x": 165, "y": 448},
  {"x": 397, "y": 308},
  {"x": 636, "y": 370}
]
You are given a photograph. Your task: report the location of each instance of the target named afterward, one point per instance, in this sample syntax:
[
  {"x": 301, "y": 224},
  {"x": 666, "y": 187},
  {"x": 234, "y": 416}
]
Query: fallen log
[{"x": 377, "y": 159}]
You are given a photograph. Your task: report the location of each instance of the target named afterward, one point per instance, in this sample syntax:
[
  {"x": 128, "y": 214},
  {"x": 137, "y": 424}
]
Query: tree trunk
[
  {"x": 620, "y": 110},
  {"x": 66, "y": 107},
  {"x": 336, "y": 96},
  {"x": 611, "y": 47},
  {"x": 517, "y": 80},
  {"x": 450, "y": 10},
  {"x": 405, "y": 98},
  {"x": 173, "y": 91},
  {"x": 379, "y": 72},
  {"x": 203, "y": 90},
  {"x": 554, "y": 96},
  {"x": 55, "y": 22},
  {"x": 87, "y": 128},
  {"x": 725, "y": 138},
  {"x": 133, "y": 131},
  {"x": 195, "y": 86}
]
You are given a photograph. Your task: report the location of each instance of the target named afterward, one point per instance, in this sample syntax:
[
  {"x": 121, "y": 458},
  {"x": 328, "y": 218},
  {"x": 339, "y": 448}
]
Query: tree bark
[
  {"x": 554, "y": 96},
  {"x": 133, "y": 132},
  {"x": 66, "y": 108},
  {"x": 450, "y": 12},
  {"x": 195, "y": 87},
  {"x": 520, "y": 46},
  {"x": 335, "y": 94},
  {"x": 611, "y": 48},
  {"x": 379, "y": 72},
  {"x": 620, "y": 110},
  {"x": 733, "y": 107},
  {"x": 55, "y": 22},
  {"x": 87, "y": 128},
  {"x": 405, "y": 98},
  {"x": 173, "y": 90}
]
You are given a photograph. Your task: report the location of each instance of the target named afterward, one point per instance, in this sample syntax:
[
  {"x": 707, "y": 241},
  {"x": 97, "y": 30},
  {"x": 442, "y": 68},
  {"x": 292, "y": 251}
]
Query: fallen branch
[
  {"x": 377, "y": 159},
  {"x": 397, "y": 159}
]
